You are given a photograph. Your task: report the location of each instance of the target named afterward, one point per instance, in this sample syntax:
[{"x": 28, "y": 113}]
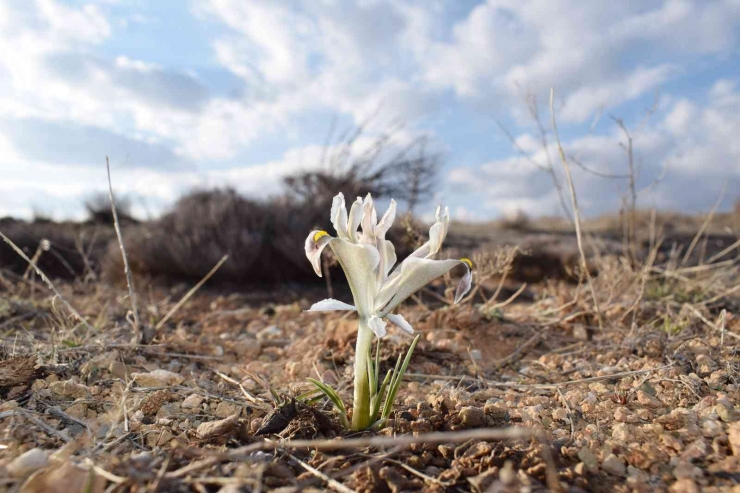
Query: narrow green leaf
[
  {"x": 334, "y": 398},
  {"x": 307, "y": 396},
  {"x": 393, "y": 391},
  {"x": 388, "y": 403},
  {"x": 379, "y": 398}
]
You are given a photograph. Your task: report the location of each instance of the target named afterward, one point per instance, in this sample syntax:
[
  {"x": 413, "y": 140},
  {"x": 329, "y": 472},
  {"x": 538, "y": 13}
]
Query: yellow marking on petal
[
  {"x": 467, "y": 262},
  {"x": 318, "y": 235}
]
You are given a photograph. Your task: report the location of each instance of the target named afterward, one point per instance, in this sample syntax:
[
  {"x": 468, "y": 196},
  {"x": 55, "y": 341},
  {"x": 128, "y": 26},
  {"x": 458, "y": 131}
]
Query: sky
[{"x": 206, "y": 93}]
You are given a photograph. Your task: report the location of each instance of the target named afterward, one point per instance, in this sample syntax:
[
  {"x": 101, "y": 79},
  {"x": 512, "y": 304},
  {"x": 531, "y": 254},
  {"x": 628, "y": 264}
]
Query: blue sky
[{"x": 184, "y": 94}]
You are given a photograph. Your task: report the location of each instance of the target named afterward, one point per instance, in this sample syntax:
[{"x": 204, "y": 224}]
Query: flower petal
[
  {"x": 400, "y": 322},
  {"x": 355, "y": 217},
  {"x": 465, "y": 282},
  {"x": 369, "y": 219},
  {"x": 386, "y": 221},
  {"x": 315, "y": 244},
  {"x": 377, "y": 325},
  {"x": 358, "y": 261},
  {"x": 339, "y": 215},
  {"x": 415, "y": 273},
  {"x": 329, "y": 305}
]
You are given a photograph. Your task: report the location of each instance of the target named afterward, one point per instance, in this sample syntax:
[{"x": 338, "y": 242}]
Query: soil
[{"x": 646, "y": 400}]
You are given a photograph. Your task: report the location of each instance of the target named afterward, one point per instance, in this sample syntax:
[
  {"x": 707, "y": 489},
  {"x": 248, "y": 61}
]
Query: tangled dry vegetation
[{"x": 522, "y": 387}]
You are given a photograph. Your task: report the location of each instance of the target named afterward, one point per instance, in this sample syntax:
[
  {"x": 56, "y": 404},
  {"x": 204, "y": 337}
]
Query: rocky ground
[{"x": 545, "y": 390}]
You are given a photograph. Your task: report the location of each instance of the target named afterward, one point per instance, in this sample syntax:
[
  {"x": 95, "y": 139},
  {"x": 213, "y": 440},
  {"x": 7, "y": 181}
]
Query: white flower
[{"x": 367, "y": 259}]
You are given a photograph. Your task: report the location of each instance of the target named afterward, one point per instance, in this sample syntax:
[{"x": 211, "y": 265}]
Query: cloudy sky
[{"x": 184, "y": 94}]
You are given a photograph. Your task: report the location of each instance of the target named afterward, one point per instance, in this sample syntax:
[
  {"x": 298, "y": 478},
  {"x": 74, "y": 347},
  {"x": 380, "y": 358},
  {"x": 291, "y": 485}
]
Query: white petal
[
  {"x": 437, "y": 235},
  {"x": 464, "y": 286},
  {"x": 329, "y": 305},
  {"x": 386, "y": 221},
  {"x": 377, "y": 325},
  {"x": 314, "y": 249},
  {"x": 339, "y": 215},
  {"x": 400, "y": 322},
  {"x": 355, "y": 217},
  {"x": 388, "y": 253},
  {"x": 369, "y": 218},
  {"x": 415, "y": 274},
  {"x": 359, "y": 262}
]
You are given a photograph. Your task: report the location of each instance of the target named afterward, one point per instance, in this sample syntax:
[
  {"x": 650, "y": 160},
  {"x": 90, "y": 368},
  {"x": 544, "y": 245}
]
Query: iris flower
[{"x": 368, "y": 261}]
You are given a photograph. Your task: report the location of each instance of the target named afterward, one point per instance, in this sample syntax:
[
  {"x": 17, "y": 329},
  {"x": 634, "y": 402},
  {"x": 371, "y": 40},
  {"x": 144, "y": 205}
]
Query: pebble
[
  {"x": 193, "y": 401},
  {"x": 684, "y": 486},
  {"x": 733, "y": 436},
  {"x": 472, "y": 417},
  {"x": 70, "y": 388},
  {"x": 212, "y": 429},
  {"x": 588, "y": 458},
  {"x": 621, "y": 432},
  {"x": 157, "y": 378},
  {"x": 614, "y": 466},
  {"x": 226, "y": 409},
  {"x": 711, "y": 428},
  {"x": 28, "y": 462},
  {"x": 647, "y": 400}
]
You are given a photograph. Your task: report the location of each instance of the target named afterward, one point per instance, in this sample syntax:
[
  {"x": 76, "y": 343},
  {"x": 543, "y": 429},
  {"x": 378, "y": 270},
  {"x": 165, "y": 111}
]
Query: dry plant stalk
[
  {"x": 46, "y": 280},
  {"x": 576, "y": 212},
  {"x": 127, "y": 269},
  {"x": 190, "y": 293}
]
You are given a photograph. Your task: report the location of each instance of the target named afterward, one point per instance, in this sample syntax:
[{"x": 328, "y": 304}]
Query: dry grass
[{"x": 650, "y": 402}]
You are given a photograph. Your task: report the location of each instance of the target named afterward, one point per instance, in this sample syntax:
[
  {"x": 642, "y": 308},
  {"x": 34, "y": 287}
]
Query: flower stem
[{"x": 361, "y": 407}]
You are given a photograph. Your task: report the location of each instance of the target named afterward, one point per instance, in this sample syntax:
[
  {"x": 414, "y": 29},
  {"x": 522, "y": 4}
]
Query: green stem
[{"x": 361, "y": 412}]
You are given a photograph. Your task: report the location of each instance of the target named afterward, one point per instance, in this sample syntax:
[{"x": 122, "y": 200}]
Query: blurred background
[{"x": 245, "y": 117}]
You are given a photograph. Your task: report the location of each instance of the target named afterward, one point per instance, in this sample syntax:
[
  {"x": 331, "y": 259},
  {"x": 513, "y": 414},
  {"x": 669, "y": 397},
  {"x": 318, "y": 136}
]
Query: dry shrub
[
  {"x": 264, "y": 240},
  {"x": 99, "y": 211},
  {"x": 202, "y": 227},
  {"x": 64, "y": 258}
]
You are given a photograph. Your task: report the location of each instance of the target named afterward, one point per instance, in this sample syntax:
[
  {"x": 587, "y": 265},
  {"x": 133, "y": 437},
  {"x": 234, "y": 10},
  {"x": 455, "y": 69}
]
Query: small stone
[
  {"x": 77, "y": 410},
  {"x": 472, "y": 417},
  {"x": 711, "y": 428},
  {"x": 226, "y": 409},
  {"x": 614, "y": 466},
  {"x": 118, "y": 369},
  {"x": 725, "y": 411},
  {"x": 588, "y": 458},
  {"x": 28, "y": 462},
  {"x": 705, "y": 365},
  {"x": 621, "y": 432},
  {"x": 152, "y": 402},
  {"x": 647, "y": 400},
  {"x": 624, "y": 416},
  {"x": 733, "y": 435},
  {"x": 686, "y": 470},
  {"x": 71, "y": 389},
  {"x": 270, "y": 332},
  {"x": 560, "y": 414},
  {"x": 671, "y": 442},
  {"x": 193, "y": 401},
  {"x": 247, "y": 349},
  {"x": 684, "y": 486},
  {"x": 157, "y": 378},
  {"x": 696, "y": 450},
  {"x": 213, "y": 429},
  {"x": 581, "y": 333},
  {"x": 580, "y": 469}
]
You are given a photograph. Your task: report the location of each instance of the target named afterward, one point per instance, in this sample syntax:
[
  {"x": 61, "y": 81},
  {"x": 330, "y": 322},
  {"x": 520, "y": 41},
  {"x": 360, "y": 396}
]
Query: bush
[{"x": 63, "y": 259}]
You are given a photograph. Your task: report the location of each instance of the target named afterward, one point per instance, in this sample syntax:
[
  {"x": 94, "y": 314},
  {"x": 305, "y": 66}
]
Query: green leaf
[
  {"x": 334, "y": 398},
  {"x": 375, "y": 404},
  {"x": 397, "y": 377}
]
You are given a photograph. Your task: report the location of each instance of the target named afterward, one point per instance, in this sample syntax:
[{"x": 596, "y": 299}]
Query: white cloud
[
  {"x": 65, "y": 100},
  {"x": 696, "y": 143}
]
